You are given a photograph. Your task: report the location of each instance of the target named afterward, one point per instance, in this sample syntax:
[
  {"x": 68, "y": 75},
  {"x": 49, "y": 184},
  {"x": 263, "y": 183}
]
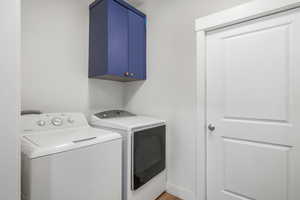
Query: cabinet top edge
[{"x": 123, "y": 3}]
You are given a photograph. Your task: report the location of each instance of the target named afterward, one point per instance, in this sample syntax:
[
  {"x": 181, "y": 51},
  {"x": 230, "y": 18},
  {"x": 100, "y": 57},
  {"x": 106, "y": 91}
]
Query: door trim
[
  {"x": 248, "y": 11},
  {"x": 243, "y": 13}
]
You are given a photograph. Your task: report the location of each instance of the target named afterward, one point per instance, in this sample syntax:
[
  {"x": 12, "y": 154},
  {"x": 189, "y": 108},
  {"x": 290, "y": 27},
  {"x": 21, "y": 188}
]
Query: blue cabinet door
[
  {"x": 137, "y": 46},
  {"x": 98, "y": 40},
  {"x": 117, "y": 39}
]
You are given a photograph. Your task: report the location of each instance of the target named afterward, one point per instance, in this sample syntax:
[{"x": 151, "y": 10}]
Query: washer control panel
[{"x": 50, "y": 121}]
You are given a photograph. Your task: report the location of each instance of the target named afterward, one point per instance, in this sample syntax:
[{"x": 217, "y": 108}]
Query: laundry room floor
[{"x": 167, "y": 196}]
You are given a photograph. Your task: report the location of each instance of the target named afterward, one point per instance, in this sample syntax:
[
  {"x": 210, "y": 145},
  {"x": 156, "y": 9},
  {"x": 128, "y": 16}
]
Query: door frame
[{"x": 245, "y": 12}]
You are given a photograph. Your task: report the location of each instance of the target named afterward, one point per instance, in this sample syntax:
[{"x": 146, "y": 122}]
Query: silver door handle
[{"x": 211, "y": 127}]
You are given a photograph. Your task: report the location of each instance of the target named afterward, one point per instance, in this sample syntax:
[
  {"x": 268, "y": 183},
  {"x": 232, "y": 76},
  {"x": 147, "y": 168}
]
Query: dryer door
[{"x": 149, "y": 155}]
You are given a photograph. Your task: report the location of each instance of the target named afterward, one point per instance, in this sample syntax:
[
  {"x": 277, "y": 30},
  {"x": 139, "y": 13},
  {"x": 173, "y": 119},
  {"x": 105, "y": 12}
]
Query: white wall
[
  {"x": 9, "y": 99},
  {"x": 170, "y": 90},
  {"x": 55, "y": 59}
]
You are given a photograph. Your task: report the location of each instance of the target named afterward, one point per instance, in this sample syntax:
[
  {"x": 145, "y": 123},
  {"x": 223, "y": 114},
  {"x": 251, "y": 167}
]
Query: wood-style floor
[{"x": 166, "y": 196}]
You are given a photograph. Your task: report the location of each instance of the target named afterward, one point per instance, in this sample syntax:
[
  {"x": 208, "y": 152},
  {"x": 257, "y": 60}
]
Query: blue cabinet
[{"x": 117, "y": 41}]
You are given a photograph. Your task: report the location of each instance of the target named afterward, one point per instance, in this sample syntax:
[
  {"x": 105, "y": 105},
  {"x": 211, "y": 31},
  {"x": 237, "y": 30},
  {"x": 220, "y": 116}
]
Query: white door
[{"x": 253, "y": 102}]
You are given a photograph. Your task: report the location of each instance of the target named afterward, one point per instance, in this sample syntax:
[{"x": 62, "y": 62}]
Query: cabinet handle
[
  {"x": 126, "y": 74},
  {"x": 131, "y": 74}
]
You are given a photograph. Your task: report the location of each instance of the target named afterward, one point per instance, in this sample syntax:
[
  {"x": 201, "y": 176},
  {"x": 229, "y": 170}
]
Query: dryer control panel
[
  {"x": 50, "y": 121},
  {"x": 114, "y": 114}
]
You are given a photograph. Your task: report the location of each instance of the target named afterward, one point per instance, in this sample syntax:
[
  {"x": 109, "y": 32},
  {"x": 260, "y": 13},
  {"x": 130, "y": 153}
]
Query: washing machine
[
  {"x": 63, "y": 158},
  {"x": 144, "y": 152}
]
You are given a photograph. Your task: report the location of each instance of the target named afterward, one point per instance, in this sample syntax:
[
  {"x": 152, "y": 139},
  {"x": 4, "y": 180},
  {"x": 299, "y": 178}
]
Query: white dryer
[
  {"x": 144, "y": 152},
  {"x": 64, "y": 158}
]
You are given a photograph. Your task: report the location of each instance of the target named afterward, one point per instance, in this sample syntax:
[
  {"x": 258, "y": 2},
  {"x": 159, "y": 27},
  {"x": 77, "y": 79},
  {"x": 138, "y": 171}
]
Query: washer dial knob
[
  {"x": 41, "y": 123},
  {"x": 70, "y": 120},
  {"x": 56, "y": 121}
]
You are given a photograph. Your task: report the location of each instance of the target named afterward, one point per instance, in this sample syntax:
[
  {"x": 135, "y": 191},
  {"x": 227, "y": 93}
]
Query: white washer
[
  {"x": 128, "y": 126},
  {"x": 63, "y": 158}
]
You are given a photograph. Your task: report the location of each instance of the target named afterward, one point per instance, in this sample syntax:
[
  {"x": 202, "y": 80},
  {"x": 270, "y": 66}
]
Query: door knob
[{"x": 211, "y": 127}]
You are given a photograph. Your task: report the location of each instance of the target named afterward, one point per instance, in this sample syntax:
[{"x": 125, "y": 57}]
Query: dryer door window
[{"x": 149, "y": 155}]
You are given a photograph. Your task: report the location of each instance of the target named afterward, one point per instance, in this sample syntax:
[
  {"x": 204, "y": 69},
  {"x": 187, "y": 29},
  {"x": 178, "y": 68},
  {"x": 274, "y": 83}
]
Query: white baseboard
[{"x": 180, "y": 192}]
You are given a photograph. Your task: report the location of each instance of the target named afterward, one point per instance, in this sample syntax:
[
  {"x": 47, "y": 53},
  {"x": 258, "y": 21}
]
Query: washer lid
[{"x": 50, "y": 142}]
